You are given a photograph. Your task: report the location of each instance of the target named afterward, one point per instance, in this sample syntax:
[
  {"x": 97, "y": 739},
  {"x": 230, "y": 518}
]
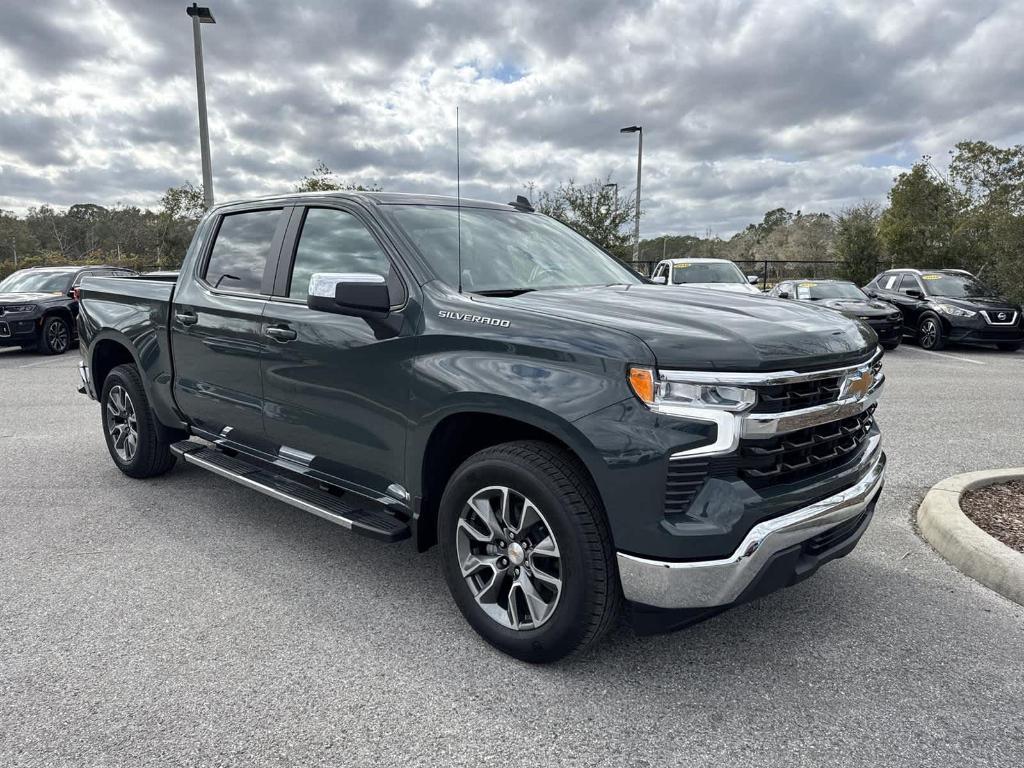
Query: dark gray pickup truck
[{"x": 577, "y": 440}]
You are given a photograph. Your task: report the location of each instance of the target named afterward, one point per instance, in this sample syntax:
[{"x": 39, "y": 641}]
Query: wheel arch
[
  {"x": 438, "y": 449},
  {"x": 111, "y": 349}
]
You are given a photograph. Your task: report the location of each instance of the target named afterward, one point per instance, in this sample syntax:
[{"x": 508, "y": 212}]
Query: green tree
[
  {"x": 920, "y": 227},
  {"x": 595, "y": 211},
  {"x": 322, "y": 179},
  {"x": 857, "y": 243}
]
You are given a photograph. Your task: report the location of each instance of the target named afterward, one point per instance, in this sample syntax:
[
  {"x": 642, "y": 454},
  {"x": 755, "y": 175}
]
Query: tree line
[{"x": 971, "y": 217}]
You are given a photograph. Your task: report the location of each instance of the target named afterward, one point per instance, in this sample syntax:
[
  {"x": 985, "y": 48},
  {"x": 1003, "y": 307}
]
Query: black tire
[
  {"x": 152, "y": 455},
  {"x": 590, "y": 598},
  {"x": 930, "y": 334},
  {"x": 1009, "y": 346},
  {"x": 54, "y": 336},
  {"x": 890, "y": 345}
]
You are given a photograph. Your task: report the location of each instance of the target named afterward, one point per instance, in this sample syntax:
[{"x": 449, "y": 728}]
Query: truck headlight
[
  {"x": 19, "y": 308},
  {"x": 949, "y": 309},
  {"x": 661, "y": 392}
]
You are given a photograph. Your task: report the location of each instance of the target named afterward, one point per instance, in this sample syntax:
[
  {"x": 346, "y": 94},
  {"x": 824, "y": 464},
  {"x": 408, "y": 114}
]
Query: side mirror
[
  {"x": 355, "y": 294},
  {"x": 783, "y": 294},
  {"x": 914, "y": 293},
  {"x": 753, "y": 279},
  {"x": 660, "y": 280}
]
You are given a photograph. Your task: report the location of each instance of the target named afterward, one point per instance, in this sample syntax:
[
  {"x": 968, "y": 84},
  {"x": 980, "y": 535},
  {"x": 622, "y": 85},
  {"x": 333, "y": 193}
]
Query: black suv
[
  {"x": 38, "y": 306},
  {"x": 949, "y": 305},
  {"x": 843, "y": 296}
]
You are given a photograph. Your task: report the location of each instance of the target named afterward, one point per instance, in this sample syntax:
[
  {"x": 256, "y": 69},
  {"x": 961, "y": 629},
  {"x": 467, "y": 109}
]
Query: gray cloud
[{"x": 745, "y": 105}]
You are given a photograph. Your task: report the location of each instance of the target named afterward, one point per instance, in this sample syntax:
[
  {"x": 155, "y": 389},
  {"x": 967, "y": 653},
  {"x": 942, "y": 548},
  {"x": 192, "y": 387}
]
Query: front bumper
[
  {"x": 707, "y": 585},
  {"x": 985, "y": 328},
  {"x": 16, "y": 330}
]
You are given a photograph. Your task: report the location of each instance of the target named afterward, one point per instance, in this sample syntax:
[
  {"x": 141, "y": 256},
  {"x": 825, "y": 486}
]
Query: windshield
[
  {"x": 814, "y": 291},
  {"x": 27, "y": 281},
  {"x": 954, "y": 286},
  {"x": 507, "y": 251},
  {"x": 716, "y": 272}
]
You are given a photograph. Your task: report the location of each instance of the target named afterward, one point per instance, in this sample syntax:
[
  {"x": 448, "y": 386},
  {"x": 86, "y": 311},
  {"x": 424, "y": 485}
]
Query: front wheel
[
  {"x": 130, "y": 427},
  {"x": 54, "y": 336},
  {"x": 526, "y": 551},
  {"x": 929, "y": 333}
]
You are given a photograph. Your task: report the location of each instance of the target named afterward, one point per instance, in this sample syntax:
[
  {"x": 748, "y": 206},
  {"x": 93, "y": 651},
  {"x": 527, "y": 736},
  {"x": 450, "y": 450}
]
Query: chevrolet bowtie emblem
[{"x": 858, "y": 386}]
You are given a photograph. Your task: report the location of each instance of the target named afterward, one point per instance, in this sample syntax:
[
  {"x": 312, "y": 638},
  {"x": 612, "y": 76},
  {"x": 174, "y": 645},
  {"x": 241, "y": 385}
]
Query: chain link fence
[{"x": 771, "y": 271}]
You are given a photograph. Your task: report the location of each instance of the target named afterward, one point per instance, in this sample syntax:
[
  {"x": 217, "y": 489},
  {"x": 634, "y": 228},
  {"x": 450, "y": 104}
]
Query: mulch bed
[{"x": 999, "y": 511}]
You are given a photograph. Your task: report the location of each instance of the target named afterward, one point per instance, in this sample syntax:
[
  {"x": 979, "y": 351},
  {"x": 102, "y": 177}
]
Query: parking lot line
[{"x": 944, "y": 354}]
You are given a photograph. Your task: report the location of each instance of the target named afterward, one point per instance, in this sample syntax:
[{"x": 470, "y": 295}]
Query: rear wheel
[
  {"x": 929, "y": 333},
  {"x": 1009, "y": 346},
  {"x": 526, "y": 551},
  {"x": 54, "y": 336},
  {"x": 133, "y": 437}
]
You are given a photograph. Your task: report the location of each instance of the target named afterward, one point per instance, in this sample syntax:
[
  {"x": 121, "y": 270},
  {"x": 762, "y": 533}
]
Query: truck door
[
  {"x": 335, "y": 387},
  {"x": 215, "y": 325}
]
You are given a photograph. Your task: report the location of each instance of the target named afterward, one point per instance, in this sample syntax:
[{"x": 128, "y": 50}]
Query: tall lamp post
[
  {"x": 202, "y": 16},
  {"x": 639, "y": 131}
]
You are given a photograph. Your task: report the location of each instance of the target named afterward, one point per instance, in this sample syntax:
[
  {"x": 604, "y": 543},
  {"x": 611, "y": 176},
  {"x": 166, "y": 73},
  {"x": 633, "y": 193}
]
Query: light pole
[
  {"x": 202, "y": 16},
  {"x": 639, "y": 131}
]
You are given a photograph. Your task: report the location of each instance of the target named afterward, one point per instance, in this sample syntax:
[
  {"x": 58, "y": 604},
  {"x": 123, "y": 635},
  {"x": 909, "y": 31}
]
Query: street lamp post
[
  {"x": 202, "y": 16},
  {"x": 639, "y": 131}
]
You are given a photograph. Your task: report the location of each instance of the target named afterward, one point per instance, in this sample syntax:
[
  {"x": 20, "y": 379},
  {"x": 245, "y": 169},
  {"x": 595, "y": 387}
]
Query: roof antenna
[{"x": 458, "y": 192}]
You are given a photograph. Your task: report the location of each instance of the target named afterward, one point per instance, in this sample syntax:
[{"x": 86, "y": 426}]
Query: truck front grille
[
  {"x": 796, "y": 455},
  {"x": 776, "y": 398}
]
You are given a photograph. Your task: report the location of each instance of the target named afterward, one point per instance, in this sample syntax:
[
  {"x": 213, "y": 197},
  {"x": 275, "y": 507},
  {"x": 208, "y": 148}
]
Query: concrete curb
[{"x": 982, "y": 557}]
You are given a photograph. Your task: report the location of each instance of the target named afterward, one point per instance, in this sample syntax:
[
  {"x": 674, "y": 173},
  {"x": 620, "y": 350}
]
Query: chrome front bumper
[{"x": 710, "y": 583}]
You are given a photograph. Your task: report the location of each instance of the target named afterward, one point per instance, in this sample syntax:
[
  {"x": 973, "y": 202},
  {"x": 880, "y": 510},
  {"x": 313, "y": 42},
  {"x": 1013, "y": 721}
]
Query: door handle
[
  {"x": 186, "y": 317},
  {"x": 281, "y": 333}
]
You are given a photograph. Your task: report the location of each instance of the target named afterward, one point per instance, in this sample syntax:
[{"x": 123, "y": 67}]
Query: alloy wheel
[
  {"x": 509, "y": 558},
  {"x": 122, "y": 423},
  {"x": 929, "y": 333},
  {"x": 57, "y": 337}
]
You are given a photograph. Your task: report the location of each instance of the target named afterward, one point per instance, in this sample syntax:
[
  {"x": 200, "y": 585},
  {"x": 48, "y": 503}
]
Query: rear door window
[{"x": 241, "y": 250}]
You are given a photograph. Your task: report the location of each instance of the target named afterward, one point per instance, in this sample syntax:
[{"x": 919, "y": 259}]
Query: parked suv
[
  {"x": 38, "y": 307},
  {"x": 843, "y": 296},
  {"x": 482, "y": 377},
  {"x": 949, "y": 305}
]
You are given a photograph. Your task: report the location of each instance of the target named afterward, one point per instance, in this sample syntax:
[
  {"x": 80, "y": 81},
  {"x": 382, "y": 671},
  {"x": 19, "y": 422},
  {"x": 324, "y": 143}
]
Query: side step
[{"x": 377, "y": 524}]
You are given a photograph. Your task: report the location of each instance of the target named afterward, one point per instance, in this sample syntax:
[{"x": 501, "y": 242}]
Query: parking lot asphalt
[{"x": 186, "y": 621}]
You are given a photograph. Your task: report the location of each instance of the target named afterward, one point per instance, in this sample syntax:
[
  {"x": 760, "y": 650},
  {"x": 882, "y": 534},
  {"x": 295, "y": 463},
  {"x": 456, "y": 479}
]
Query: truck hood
[
  {"x": 858, "y": 307},
  {"x": 706, "y": 329}
]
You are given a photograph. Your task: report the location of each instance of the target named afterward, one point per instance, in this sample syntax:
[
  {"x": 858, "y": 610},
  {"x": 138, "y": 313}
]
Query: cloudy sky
[{"x": 746, "y": 106}]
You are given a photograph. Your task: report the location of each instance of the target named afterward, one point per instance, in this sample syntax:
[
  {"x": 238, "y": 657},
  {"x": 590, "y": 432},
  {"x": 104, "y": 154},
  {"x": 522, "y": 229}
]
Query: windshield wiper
[{"x": 505, "y": 292}]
